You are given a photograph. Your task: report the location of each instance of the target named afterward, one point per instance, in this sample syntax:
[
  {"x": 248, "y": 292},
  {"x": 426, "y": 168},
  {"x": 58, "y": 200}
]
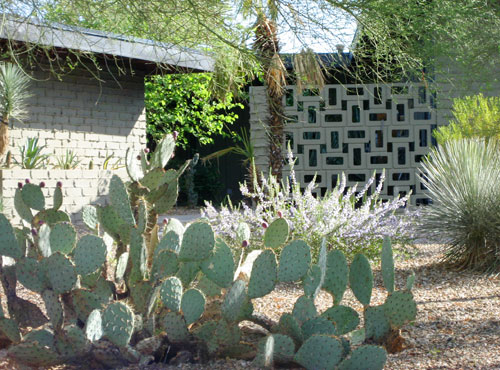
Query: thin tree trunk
[{"x": 4, "y": 135}]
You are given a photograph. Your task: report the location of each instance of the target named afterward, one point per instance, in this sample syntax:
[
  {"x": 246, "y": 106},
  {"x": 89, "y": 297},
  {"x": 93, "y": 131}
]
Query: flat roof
[{"x": 86, "y": 40}]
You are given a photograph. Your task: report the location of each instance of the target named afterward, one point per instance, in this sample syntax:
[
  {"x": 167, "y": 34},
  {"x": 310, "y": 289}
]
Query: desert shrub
[
  {"x": 473, "y": 116},
  {"x": 350, "y": 219},
  {"x": 462, "y": 177}
]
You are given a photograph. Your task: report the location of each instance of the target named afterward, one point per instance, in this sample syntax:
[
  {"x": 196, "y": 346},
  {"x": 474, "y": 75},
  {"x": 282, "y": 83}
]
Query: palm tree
[{"x": 14, "y": 92}]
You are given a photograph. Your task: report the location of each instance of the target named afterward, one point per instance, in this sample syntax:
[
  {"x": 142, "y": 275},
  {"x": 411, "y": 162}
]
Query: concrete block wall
[
  {"x": 80, "y": 187},
  {"x": 90, "y": 117}
]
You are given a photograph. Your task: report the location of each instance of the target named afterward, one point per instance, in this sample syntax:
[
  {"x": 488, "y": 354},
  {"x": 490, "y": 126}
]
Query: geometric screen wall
[{"x": 359, "y": 129}]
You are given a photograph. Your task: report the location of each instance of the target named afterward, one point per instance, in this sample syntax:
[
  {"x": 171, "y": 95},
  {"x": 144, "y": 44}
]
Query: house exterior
[{"x": 95, "y": 113}]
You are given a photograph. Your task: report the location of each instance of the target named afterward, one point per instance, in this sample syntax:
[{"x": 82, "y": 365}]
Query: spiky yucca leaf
[{"x": 463, "y": 180}]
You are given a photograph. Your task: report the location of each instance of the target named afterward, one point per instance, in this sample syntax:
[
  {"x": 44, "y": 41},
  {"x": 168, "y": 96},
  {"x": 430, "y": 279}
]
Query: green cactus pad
[
  {"x": 133, "y": 166},
  {"x": 192, "y": 305},
  {"x": 345, "y": 318},
  {"x": 138, "y": 256},
  {"x": 387, "y": 265},
  {"x": 400, "y": 308},
  {"x": 197, "y": 243},
  {"x": 153, "y": 179},
  {"x": 176, "y": 226},
  {"x": 140, "y": 293},
  {"x": 89, "y": 217},
  {"x": 164, "y": 265},
  {"x": 33, "y": 197},
  {"x": 121, "y": 266},
  {"x": 375, "y": 356},
  {"x": 206, "y": 331},
  {"x": 304, "y": 309},
  {"x": 85, "y": 302},
  {"x": 168, "y": 199},
  {"x": 61, "y": 273},
  {"x": 312, "y": 281},
  {"x": 118, "y": 323},
  {"x": 71, "y": 342},
  {"x": 112, "y": 223},
  {"x": 44, "y": 240},
  {"x": 171, "y": 293},
  {"x": 50, "y": 217},
  {"x": 264, "y": 274},
  {"x": 274, "y": 349},
  {"x": 33, "y": 354},
  {"x": 53, "y": 307},
  {"x": 93, "y": 326},
  {"x": 170, "y": 241},
  {"x": 319, "y": 352},
  {"x": 277, "y": 233},
  {"x": 318, "y": 325},
  {"x": 377, "y": 324},
  {"x": 220, "y": 266},
  {"x": 358, "y": 337},
  {"x": 226, "y": 334},
  {"x": 90, "y": 280},
  {"x": 30, "y": 274},
  {"x": 295, "y": 260},
  {"x": 58, "y": 198},
  {"x": 175, "y": 326},
  {"x": 234, "y": 301},
  {"x": 208, "y": 287},
  {"x": 187, "y": 272},
  {"x": 143, "y": 217},
  {"x": 152, "y": 303},
  {"x": 62, "y": 238},
  {"x": 289, "y": 325},
  {"x": 361, "y": 279},
  {"x": 410, "y": 280},
  {"x": 336, "y": 275},
  {"x": 104, "y": 290},
  {"x": 10, "y": 329},
  {"x": 242, "y": 232},
  {"x": 23, "y": 238},
  {"x": 89, "y": 254},
  {"x": 163, "y": 152},
  {"x": 169, "y": 176},
  {"x": 21, "y": 208},
  {"x": 120, "y": 200},
  {"x": 8, "y": 242},
  {"x": 44, "y": 337}
]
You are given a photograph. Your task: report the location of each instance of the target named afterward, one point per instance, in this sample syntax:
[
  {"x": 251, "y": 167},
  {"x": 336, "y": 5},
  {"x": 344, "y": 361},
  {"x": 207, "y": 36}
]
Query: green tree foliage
[
  {"x": 473, "y": 117},
  {"x": 183, "y": 103}
]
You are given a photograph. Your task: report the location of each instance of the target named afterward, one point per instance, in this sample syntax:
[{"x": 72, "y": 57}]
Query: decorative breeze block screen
[{"x": 359, "y": 129}]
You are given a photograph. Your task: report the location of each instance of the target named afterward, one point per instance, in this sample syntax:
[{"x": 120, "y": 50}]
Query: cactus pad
[
  {"x": 21, "y": 208},
  {"x": 234, "y": 301},
  {"x": 242, "y": 232},
  {"x": 163, "y": 152},
  {"x": 120, "y": 200},
  {"x": 361, "y": 279},
  {"x": 90, "y": 280},
  {"x": 264, "y": 274},
  {"x": 118, "y": 323},
  {"x": 289, "y": 325},
  {"x": 112, "y": 223},
  {"x": 275, "y": 349},
  {"x": 71, "y": 342},
  {"x": 171, "y": 293},
  {"x": 176, "y": 226},
  {"x": 85, "y": 302},
  {"x": 364, "y": 355},
  {"x": 175, "y": 326},
  {"x": 121, "y": 266},
  {"x": 345, "y": 318},
  {"x": 53, "y": 307},
  {"x": 208, "y": 287},
  {"x": 62, "y": 238},
  {"x": 304, "y": 309},
  {"x": 138, "y": 256},
  {"x": 168, "y": 198},
  {"x": 61, "y": 273},
  {"x": 89, "y": 254},
  {"x": 57, "y": 199},
  {"x": 30, "y": 274},
  {"x": 277, "y": 233},
  {"x": 295, "y": 260},
  {"x": 170, "y": 241},
  {"x": 10, "y": 329},
  {"x": 319, "y": 352},
  {"x": 33, "y": 354},
  {"x": 410, "y": 280},
  {"x": 318, "y": 325},
  {"x": 44, "y": 240},
  {"x": 33, "y": 197},
  {"x": 192, "y": 305},
  {"x": 337, "y": 275},
  {"x": 50, "y": 217},
  {"x": 8, "y": 242},
  {"x": 43, "y": 336},
  {"x": 133, "y": 166},
  {"x": 164, "y": 265},
  {"x": 140, "y": 293},
  {"x": 89, "y": 217},
  {"x": 143, "y": 217},
  {"x": 153, "y": 179},
  {"x": 377, "y": 324},
  {"x": 400, "y": 308},
  {"x": 93, "y": 326},
  {"x": 312, "y": 281},
  {"x": 187, "y": 272},
  {"x": 220, "y": 266},
  {"x": 387, "y": 265},
  {"x": 197, "y": 243}
]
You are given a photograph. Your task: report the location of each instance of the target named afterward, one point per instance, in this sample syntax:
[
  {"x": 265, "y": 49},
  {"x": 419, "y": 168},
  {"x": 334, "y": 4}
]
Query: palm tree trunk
[{"x": 4, "y": 135}]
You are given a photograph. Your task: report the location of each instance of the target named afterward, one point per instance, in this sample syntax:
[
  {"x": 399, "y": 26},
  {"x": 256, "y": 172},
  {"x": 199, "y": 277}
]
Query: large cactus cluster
[{"x": 184, "y": 289}]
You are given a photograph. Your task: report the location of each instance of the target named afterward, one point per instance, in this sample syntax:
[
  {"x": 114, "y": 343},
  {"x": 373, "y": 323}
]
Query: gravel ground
[{"x": 457, "y": 327}]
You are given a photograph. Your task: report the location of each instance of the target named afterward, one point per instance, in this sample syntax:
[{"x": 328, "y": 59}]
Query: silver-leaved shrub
[{"x": 351, "y": 220}]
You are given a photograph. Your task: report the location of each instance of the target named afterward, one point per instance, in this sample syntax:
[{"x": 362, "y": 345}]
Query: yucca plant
[
  {"x": 31, "y": 155},
  {"x": 463, "y": 180},
  {"x": 67, "y": 161},
  {"x": 14, "y": 93}
]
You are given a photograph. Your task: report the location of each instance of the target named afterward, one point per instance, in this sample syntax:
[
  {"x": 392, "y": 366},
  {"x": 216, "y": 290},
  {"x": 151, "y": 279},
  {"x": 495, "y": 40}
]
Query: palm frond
[{"x": 14, "y": 84}]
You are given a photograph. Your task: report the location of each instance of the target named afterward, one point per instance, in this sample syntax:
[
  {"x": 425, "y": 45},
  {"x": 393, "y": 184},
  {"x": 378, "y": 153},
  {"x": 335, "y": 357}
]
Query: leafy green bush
[
  {"x": 184, "y": 103},
  {"x": 473, "y": 116},
  {"x": 463, "y": 180}
]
